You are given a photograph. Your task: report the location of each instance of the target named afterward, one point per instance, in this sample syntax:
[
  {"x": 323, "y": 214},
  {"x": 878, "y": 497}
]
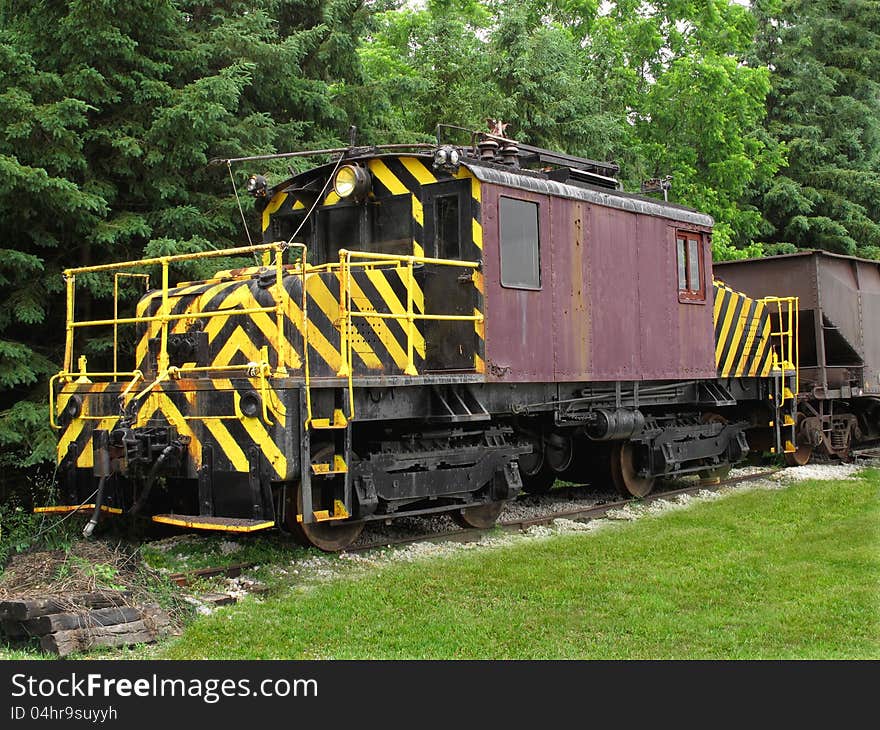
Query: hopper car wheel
[
  {"x": 800, "y": 457},
  {"x": 331, "y": 537},
  {"x": 624, "y": 474},
  {"x": 481, "y": 517},
  {"x": 804, "y": 452}
]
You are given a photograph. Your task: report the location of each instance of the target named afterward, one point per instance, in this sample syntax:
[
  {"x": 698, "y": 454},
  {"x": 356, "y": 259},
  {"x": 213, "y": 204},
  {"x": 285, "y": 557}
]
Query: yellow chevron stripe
[
  {"x": 477, "y": 278},
  {"x": 222, "y": 436},
  {"x": 160, "y": 401},
  {"x": 230, "y": 302},
  {"x": 244, "y": 297},
  {"x": 418, "y": 170},
  {"x": 331, "y": 199},
  {"x": 71, "y": 434},
  {"x": 238, "y": 341},
  {"x": 329, "y": 304},
  {"x": 418, "y": 214},
  {"x": 225, "y": 441},
  {"x": 725, "y": 330},
  {"x": 388, "y": 178},
  {"x": 477, "y": 234},
  {"x": 395, "y": 306},
  {"x": 763, "y": 368},
  {"x": 418, "y": 294},
  {"x": 379, "y": 326},
  {"x": 317, "y": 340},
  {"x": 743, "y": 365},
  {"x": 479, "y": 364},
  {"x": 261, "y": 437},
  {"x": 274, "y": 204},
  {"x": 479, "y": 325},
  {"x": 719, "y": 296},
  {"x": 86, "y": 459},
  {"x": 736, "y": 333}
]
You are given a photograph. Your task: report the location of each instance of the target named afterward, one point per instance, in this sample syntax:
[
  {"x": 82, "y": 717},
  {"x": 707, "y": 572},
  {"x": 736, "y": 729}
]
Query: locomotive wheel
[
  {"x": 331, "y": 537},
  {"x": 481, "y": 517},
  {"x": 537, "y": 476},
  {"x": 800, "y": 457},
  {"x": 623, "y": 472},
  {"x": 540, "y": 482}
]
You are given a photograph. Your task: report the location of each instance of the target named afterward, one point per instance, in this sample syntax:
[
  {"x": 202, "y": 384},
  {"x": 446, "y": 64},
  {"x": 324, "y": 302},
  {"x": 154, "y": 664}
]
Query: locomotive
[{"x": 427, "y": 328}]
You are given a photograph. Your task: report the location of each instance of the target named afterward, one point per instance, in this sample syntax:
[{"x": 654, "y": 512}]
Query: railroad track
[{"x": 585, "y": 514}]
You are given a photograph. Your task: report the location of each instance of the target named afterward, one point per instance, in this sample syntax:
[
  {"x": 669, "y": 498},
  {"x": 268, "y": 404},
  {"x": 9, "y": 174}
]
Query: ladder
[{"x": 325, "y": 447}]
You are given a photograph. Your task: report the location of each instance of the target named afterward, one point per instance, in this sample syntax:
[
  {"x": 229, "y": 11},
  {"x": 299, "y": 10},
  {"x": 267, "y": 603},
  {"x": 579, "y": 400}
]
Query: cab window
[
  {"x": 520, "y": 243},
  {"x": 689, "y": 259}
]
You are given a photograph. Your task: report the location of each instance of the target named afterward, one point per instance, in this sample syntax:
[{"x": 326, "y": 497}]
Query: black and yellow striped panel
[
  {"x": 742, "y": 334},
  {"x": 194, "y": 413},
  {"x": 379, "y": 344},
  {"x": 410, "y": 175}
]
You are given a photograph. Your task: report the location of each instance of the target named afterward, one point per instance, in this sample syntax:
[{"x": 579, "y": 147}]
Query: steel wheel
[
  {"x": 623, "y": 472},
  {"x": 331, "y": 537},
  {"x": 539, "y": 482},
  {"x": 804, "y": 452},
  {"x": 800, "y": 457},
  {"x": 482, "y": 517}
]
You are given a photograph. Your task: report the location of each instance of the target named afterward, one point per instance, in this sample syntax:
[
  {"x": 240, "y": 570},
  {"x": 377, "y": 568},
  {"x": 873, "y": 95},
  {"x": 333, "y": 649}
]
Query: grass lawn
[{"x": 791, "y": 573}]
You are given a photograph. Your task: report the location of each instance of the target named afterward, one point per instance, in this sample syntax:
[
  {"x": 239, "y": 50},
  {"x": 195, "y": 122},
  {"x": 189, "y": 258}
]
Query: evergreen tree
[
  {"x": 110, "y": 116},
  {"x": 825, "y": 106}
]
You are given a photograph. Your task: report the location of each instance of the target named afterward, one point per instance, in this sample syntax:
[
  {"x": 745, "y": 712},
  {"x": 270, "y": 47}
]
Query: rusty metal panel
[
  {"x": 609, "y": 306},
  {"x": 869, "y": 282},
  {"x": 616, "y": 318},
  {"x": 779, "y": 276},
  {"x": 572, "y": 285},
  {"x": 519, "y": 330},
  {"x": 660, "y": 329}
]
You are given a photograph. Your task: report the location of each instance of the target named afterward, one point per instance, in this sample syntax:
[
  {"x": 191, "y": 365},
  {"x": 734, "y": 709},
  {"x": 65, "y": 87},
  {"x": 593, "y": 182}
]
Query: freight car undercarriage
[{"x": 389, "y": 464}]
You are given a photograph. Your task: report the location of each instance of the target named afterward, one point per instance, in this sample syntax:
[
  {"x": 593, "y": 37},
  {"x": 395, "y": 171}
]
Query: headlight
[
  {"x": 74, "y": 406},
  {"x": 250, "y": 404},
  {"x": 351, "y": 180}
]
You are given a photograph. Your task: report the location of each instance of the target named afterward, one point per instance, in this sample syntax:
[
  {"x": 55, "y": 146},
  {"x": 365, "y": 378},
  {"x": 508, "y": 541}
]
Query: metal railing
[
  {"x": 164, "y": 317},
  {"x": 348, "y": 261},
  {"x": 787, "y": 356},
  {"x": 409, "y": 317}
]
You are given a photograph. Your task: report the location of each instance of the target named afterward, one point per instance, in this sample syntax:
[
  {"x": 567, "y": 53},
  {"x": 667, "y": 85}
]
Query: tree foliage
[
  {"x": 110, "y": 118},
  {"x": 824, "y": 105},
  {"x": 767, "y": 118}
]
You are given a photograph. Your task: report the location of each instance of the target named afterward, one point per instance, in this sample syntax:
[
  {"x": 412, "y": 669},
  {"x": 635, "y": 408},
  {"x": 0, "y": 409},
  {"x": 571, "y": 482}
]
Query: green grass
[
  {"x": 793, "y": 573},
  {"x": 213, "y": 551}
]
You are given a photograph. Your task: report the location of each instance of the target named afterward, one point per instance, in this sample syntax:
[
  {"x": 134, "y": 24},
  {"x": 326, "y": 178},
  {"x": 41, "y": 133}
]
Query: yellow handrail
[
  {"x": 410, "y": 316},
  {"x": 788, "y": 357}
]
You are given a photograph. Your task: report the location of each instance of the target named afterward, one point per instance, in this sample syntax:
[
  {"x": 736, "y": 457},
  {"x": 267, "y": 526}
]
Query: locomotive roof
[{"x": 532, "y": 181}]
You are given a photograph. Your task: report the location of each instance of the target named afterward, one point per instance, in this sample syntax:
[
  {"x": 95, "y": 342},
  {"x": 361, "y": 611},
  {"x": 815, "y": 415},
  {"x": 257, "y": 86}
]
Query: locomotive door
[{"x": 449, "y": 345}]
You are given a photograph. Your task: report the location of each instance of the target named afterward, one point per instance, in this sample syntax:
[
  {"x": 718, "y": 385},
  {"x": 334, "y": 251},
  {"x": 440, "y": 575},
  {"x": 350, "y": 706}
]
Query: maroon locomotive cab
[{"x": 590, "y": 286}]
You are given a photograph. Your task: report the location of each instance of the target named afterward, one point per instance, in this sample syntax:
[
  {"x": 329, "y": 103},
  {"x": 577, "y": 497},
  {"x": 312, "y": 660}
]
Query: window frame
[
  {"x": 521, "y": 287},
  {"x": 689, "y": 295}
]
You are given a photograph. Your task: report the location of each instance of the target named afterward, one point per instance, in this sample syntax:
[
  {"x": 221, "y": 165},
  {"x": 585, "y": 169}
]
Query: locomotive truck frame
[{"x": 430, "y": 328}]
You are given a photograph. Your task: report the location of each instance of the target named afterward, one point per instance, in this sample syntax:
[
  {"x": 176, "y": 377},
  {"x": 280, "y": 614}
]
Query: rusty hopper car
[
  {"x": 430, "y": 328},
  {"x": 839, "y": 342}
]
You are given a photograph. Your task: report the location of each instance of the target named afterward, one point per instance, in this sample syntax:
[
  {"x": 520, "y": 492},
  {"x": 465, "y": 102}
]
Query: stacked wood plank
[{"x": 81, "y": 621}]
